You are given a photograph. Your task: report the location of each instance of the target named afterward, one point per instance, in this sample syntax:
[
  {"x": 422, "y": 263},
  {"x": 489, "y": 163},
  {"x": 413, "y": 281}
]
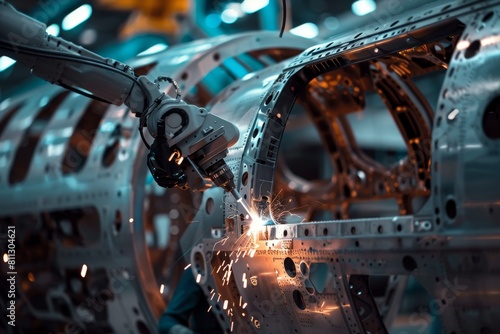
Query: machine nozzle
[{"x": 221, "y": 175}]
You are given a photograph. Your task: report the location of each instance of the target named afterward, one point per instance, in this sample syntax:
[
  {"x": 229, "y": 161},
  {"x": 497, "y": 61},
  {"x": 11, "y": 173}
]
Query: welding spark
[
  {"x": 253, "y": 215},
  {"x": 255, "y": 227},
  {"x": 227, "y": 274},
  {"x": 222, "y": 242},
  {"x": 209, "y": 308},
  {"x": 244, "y": 279},
  {"x": 186, "y": 267},
  {"x": 281, "y": 208},
  {"x": 249, "y": 239},
  {"x": 83, "y": 272}
]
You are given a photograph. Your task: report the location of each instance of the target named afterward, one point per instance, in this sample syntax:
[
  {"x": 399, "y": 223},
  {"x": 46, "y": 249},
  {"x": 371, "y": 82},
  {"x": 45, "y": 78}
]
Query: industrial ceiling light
[
  {"x": 77, "y": 17},
  {"x": 363, "y": 7}
]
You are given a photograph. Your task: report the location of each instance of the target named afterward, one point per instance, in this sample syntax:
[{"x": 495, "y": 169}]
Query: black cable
[
  {"x": 81, "y": 92},
  {"x": 144, "y": 139},
  {"x": 283, "y": 18},
  {"x": 54, "y": 53},
  {"x": 64, "y": 56},
  {"x": 22, "y": 49},
  {"x": 143, "y": 117}
]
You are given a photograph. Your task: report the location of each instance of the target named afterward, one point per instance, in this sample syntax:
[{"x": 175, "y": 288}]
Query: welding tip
[
  {"x": 236, "y": 195},
  {"x": 244, "y": 204}
]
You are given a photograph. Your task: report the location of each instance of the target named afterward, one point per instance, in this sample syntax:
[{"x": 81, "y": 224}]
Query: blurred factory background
[{"x": 122, "y": 29}]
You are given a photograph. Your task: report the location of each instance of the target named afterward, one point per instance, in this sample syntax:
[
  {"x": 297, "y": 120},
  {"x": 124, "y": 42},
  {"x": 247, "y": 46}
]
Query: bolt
[{"x": 424, "y": 225}]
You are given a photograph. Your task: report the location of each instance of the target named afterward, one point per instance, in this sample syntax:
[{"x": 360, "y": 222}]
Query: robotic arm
[{"x": 181, "y": 131}]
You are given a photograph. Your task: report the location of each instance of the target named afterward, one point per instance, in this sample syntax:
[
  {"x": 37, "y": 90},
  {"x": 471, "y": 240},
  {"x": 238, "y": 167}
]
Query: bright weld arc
[
  {"x": 252, "y": 214},
  {"x": 257, "y": 222}
]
